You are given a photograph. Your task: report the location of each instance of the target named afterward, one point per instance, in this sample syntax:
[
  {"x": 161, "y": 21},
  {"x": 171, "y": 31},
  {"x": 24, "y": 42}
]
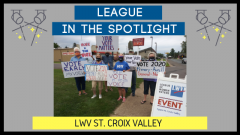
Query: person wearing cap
[
  {"x": 80, "y": 81},
  {"x": 121, "y": 65}
]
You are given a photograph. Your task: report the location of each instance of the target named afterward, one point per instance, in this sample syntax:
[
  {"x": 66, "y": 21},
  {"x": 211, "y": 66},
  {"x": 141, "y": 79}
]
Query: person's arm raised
[
  {"x": 92, "y": 57},
  {"x": 96, "y": 48}
]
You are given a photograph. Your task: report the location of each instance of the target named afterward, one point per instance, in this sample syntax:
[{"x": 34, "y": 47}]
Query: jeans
[
  {"x": 80, "y": 81},
  {"x": 133, "y": 87}
]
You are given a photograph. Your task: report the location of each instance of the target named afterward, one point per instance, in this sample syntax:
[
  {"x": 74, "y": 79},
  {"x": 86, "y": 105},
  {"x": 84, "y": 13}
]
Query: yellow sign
[{"x": 123, "y": 123}]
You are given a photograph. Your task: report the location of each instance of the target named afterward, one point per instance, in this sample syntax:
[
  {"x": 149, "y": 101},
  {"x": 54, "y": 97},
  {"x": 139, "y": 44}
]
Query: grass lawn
[
  {"x": 167, "y": 65},
  {"x": 68, "y": 103}
]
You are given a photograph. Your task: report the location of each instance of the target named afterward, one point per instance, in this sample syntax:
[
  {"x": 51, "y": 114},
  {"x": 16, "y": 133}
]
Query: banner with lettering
[
  {"x": 132, "y": 59},
  {"x": 73, "y": 68},
  {"x": 119, "y": 78},
  {"x": 107, "y": 43},
  {"x": 138, "y": 42},
  {"x": 85, "y": 48},
  {"x": 67, "y": 53},
  {"x": 95, "y": 72},
  {"x": 150, "y": 69},
  {"x": 169, "y": 98}
]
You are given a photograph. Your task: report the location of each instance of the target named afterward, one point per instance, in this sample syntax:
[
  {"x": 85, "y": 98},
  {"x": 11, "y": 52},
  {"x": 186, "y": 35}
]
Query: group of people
[{"x": 115, "y": 63}]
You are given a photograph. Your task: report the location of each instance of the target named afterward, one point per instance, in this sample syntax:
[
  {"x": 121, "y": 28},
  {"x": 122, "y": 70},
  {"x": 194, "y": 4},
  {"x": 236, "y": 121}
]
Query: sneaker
[
  {"x": 119, "y": 98},
  {"x": 100, "y": 96},
  {"x": 133, "y": 94},
  {"x": 123, "y": 100},
  {"x": 93, "y": 96}
]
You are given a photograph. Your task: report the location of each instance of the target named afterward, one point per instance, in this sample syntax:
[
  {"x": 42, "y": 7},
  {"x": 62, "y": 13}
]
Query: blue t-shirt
[
  {"x": 120, "y": 66},
  {"x": 74, "y": 58}
]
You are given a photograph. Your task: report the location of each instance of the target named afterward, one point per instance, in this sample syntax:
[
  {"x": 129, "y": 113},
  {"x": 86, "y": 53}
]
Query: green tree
[
  {"x": 74, "y": 45},
  {"x": 172, "y": 51},
  {"x": 55, "y": 45},
  {"x": 176, "y": 55},
  {"x": 160, "y": 55},
  {"x": 130, "y": 45},
  {"x": 184, "y": 45},
  {"x": 66, "y": 47}
]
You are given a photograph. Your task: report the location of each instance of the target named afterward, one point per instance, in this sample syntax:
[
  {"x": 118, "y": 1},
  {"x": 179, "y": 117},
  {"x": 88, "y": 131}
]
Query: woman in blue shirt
[
  {"x": 80, "y": 81},
  {"x": 121, "y": 65}
]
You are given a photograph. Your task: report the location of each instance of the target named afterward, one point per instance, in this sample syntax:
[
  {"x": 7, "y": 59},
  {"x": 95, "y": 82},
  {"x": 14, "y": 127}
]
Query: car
[
  {"x": 142, "y": 59},
  {"x": 184, "y": 60}
]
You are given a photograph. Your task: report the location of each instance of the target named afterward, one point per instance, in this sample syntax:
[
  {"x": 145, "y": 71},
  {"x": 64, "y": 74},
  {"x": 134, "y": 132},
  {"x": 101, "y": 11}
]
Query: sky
[{"x": 164, "y": 43}]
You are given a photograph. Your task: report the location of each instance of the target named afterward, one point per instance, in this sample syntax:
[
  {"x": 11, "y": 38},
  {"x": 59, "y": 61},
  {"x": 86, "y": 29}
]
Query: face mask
[
  {"x": 120, "y": 58},
  {"x": 98, "y": 59},
  {"x": 107, "y": 54},
  {"x": 151, "y": 58}
]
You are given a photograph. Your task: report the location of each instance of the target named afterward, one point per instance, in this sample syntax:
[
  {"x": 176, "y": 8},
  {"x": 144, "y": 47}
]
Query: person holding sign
[
  {"x": 115, "y": 59},
  {"x": 80, "y": 81},
  {"x": 108, "y": 60},
  {"x": 94, "y": 83},
  {"x": 121, "y": 65},
  {"x": 90, "y": 59},
  {"x": 149, "y": 82}
]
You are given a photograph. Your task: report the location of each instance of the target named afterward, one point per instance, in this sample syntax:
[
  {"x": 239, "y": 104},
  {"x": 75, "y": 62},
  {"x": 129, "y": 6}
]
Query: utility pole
[
  {"x": 152, "y": 42},
  {"x": 156, "y": 46}
]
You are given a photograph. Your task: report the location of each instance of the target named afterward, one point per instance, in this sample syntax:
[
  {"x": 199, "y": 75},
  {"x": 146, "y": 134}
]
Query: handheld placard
[{"x": 170, "y": 98}]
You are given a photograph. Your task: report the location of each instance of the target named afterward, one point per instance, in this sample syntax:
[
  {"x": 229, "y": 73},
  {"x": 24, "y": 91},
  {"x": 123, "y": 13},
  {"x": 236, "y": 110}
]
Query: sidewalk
[
  {"x": 170, "y": 65},
  {"x": 133, "y": 107}
]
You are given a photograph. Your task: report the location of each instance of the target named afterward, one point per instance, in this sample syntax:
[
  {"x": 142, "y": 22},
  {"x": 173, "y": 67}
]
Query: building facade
[
  {"x": 65, "y": 54},
  {"x": 144, "y": 53}
]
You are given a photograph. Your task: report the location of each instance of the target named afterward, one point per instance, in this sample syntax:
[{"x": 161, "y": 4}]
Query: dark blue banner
[
  {"x": 137, "y": 12},
  {"x": 118, "y": 28}
]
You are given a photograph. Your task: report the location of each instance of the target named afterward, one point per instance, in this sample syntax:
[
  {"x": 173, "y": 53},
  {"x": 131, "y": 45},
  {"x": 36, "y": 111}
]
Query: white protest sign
[
  {"x": 170, "y": 97},
  {"x": 73, "y": 68},
  {"x": 119, "y": 78},
  {"x": 95, "y": 72},
  {"x": 107, "y": 43},
  {"x": 85, "y": 48},
  {"x": 132, "y": 60},
  {"x": 150, "y": 69},
  {"x": 94, "y": 56}
]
